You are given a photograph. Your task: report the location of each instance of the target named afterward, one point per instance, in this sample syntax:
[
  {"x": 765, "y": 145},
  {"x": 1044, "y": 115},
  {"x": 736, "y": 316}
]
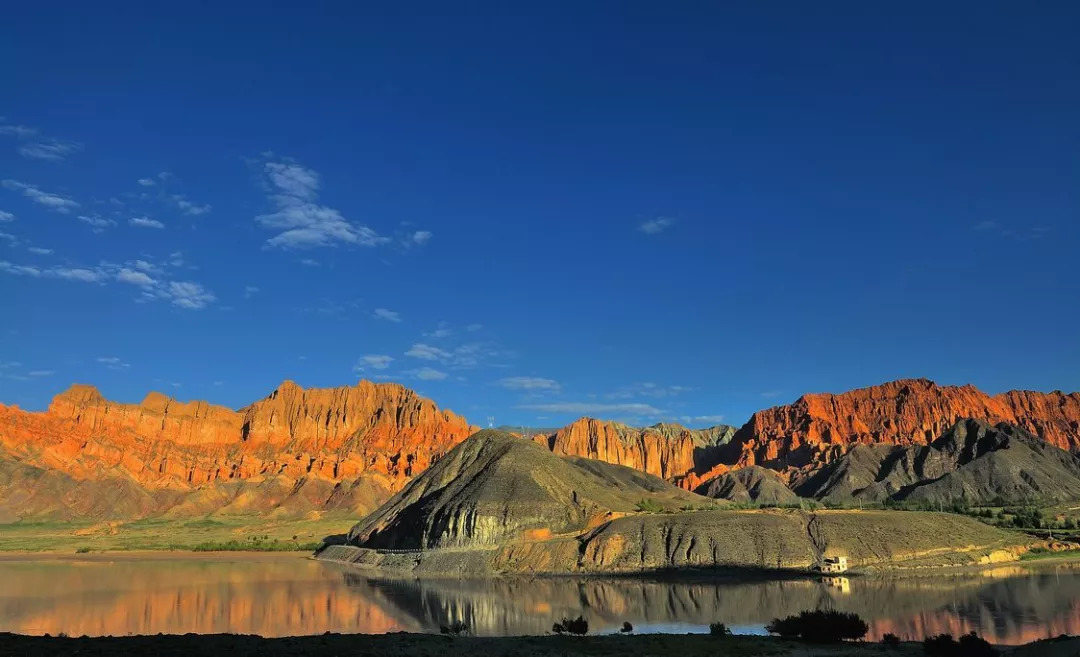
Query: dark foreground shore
[{"x": 425, "y": 645}]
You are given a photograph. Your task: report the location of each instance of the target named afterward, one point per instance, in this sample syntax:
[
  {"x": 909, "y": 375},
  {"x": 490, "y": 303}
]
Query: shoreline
[{"x": 433, "y": 645}]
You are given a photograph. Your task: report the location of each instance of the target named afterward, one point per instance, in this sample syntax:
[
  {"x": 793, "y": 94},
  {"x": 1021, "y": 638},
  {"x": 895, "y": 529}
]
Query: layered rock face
[
  {"x": 668, "y": 451},
  {"x": 381, "y": 431},
  {"x": 818, "y": 428}
]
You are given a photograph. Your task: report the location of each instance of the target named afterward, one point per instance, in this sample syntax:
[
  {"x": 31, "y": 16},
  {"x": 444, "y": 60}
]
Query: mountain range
[{"x": 353, "y": 447}]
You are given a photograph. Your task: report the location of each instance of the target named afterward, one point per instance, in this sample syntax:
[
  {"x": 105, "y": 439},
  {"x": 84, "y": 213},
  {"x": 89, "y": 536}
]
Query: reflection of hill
[{"x": 1007, "y": 610}]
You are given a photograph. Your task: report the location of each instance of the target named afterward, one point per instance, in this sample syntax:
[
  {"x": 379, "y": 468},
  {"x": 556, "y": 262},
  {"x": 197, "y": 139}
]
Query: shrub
[
  {"x": 719, "y": 629},
  {"x": 457, "y": 628},
  {"x": 890, "y": 639},
  {"x": 969, "y": 645},
  {"x": 820, "y": 626},
  {"x": 627, "y": 628},
  {"x": 649, "y": 506},
  {"x": 82, "y": 550},
  {"x": 578, "y": 626}
]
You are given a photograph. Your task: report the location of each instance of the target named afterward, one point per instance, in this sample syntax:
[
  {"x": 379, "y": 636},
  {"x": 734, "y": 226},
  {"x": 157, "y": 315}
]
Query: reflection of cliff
[
  {"x": 270, "y": 597},
  {"x": 277, "y": 595},
  {"x": 1008, "y": 611}
]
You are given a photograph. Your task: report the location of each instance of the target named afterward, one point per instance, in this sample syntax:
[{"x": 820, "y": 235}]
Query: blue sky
[{"x": 638, "y": 211}]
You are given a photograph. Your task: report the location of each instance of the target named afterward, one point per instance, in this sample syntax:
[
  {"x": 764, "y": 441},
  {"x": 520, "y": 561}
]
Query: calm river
[{"x": 283, "y": 594}]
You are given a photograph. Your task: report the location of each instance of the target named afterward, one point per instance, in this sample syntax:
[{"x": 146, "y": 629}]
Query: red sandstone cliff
[
  {"x": 333, "y": 434},
  {"x": 669, "y": 451},
  {"x": 818, "y": 427}
]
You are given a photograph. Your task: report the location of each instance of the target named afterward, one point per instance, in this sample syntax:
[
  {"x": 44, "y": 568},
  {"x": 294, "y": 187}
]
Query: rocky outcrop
[
  {"x": 818, "y": 428},
  {"x": 669, "y": 451},
  {"x": 750, "y": 484},
  {"x": 972, "y": 462},
  {"x": 382, "y": 433}
]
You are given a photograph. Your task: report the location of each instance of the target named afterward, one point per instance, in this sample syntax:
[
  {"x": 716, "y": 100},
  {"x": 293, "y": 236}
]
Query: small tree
[
  {"x": 578, "y": 626},
  {"x": 820, "y": 626},
  {"x": 719, "y": 629},
  {"x": 890, "y": 639},
  {"x": 627, "y": 628}
]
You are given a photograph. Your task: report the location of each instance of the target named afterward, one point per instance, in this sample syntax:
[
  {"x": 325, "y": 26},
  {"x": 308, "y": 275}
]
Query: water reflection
[{"x": 277, "y": 595}]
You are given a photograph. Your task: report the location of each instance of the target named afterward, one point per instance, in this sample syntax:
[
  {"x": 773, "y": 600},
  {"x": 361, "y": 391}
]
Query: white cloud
[
  {"x": 427, "y": 352},
  {"x": 97, "y": 223},
  {"x": 192, "y": 296},
  {"x": 375, "y": 361},
  {"x": 9, "y": 237},
  {"x": 653, "y": 226},
  {"x": 429, "y": 374},
  {"x": 299, "y": 220},
  {"x": 38, "y": 373},
  {"x": 39, "y": 251},
  {"x": 439, "y": 333},
  {"x": 183, "y": 294},
  {"x": 53, "y": 150},
  {"x": 308, "y": 262},
  {"x": 20, "y": 131},
  {"x": 135, "y": 278},
  {"x": 421, "y": 236},
  {"x": 145, "y": 222},
  {"x": 702, "y": 419},
  {"x": 6, "y": 216},
  {"x": 250, "y": 291},
  {"x": 646, "y": 389},
  {"x": 54, "y": 202},
  {"x": 187, "y": 207},
  {"x": 589, "y": 408},
  {"x": 145, "y": 266},
  {"x": 77, "y": 274},
  {"x": 19, "y": 270},
  {"x": 985, "y": 225},
  {"x": 473, "y": 328},
  {"x": 112, "y": 362},
  {"x": 529, "y": 383},
  {"x": 147, "y": 182},
  {"x": 388, "y": 315}
]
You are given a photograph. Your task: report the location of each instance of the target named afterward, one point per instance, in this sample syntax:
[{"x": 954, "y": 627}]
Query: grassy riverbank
[
  {"x": 212, "y": 533},
  {"x": 420, "y": 645}
]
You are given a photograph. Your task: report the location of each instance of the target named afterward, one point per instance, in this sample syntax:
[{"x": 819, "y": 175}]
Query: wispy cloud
[
  {"x": 53, "y": 150},
  {"x": 20, "y": 131},
  {"x": 299, "y": 220},
  {"x": 374, "y": 361},
  {"x": 96, "y": 222},
  {"x": 427, "y": 352},
  {"x": 40, "y": 373},
  {"x": 146, "y": 182},
  {"x": 418, "y": 238},
  {"x": 589, "y": 408},
  {"x": 37, "y": 250},
  {"x": 51, "y": 201},
  {"x": 250, "y": 291},
  {"x": 428, "y": 374},
  {"x": 6, "y": 216},
  {"x": 388, "y": 315},
  {"x": 769, "y": 394},
  {"x": 647, "y": 389},
  {"x": 530, "y": 383},
  {"x": 188, "y": 207},
  {"x": 702, "y": 419},
  {"x": 473, "y": 328},
  {"x": 113, "y": 362},
  {"x": 654, "y": 226},
  {"x": 1024, "y": 233},
  {"x": 145, "y": 222},
  {"x": 183, "y": 294}
]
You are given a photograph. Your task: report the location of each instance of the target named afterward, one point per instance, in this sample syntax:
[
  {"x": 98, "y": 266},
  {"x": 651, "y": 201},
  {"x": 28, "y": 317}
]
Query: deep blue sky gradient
[{"x": 840, "y": 194}]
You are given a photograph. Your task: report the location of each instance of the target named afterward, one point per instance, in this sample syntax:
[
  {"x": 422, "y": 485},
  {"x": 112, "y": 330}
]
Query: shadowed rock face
[
  {"x": 750, "y": 484},
  {"x": 972, "y": 461},
  {"x": 306, "y": 449},
  {"x": 496, "y": 487},
  {"x": 818, "y": 428}
]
